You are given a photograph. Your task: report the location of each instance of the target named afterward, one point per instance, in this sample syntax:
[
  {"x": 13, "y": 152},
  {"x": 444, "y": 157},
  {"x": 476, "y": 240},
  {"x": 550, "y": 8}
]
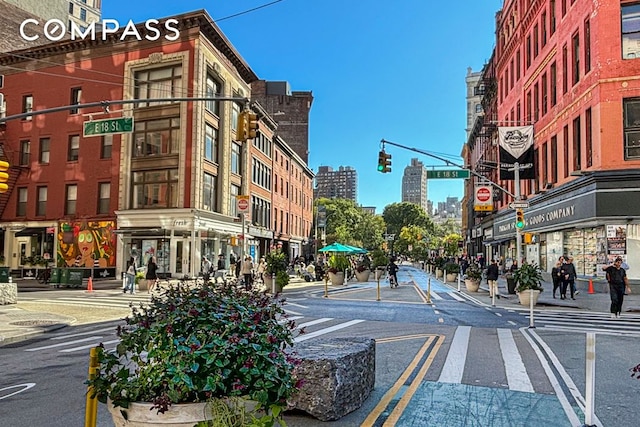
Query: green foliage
[
  {"x": 276, "y": 261},
  {"x": 404, "y": 214},
  {"x": 282, "y": 279},
  {"x": 338, "y": 263},
  {"x": 194, "y": 344},
  {"x": 414, "y": 237},
  {"x": 140, "y": 275},
  {"x": 451, "y": 268},
  {"x": 473, "y": 272},
  {"x": 379, "y": 258},
  {"x": 450, "y": 243},
  {"x": 439, "y": 262},
  {"x": 347, "y": 223},
  {"x": 528, "y": 276}
]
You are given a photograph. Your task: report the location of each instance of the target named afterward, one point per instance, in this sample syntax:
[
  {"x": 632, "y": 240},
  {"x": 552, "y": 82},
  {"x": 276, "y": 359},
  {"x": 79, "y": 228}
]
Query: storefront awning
[{"x": 31, "y": 231}]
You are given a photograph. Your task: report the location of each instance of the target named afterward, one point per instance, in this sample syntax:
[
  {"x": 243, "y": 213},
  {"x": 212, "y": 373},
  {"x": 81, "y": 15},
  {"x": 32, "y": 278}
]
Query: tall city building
[
  {"x": 414, "y": 184},
  {"x": 474, "y": 98},
  {"x": 340, "y": 184},
  {"x": 82, "y": 12}
]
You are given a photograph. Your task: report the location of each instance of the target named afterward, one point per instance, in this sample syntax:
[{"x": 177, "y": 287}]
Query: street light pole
[{"x": 516, "y": 176}]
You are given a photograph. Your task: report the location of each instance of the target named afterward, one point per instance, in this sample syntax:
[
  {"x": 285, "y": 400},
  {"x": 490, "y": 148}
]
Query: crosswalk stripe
[
  {"x": 454, "y": 365},
  {"x": 85, "y": 347},
  {"x": 314, "y": 322},
  {"x": 456, "y": 296},
  {"x": 79, "y": 334},
  {"x": 327, "y": 330},
  {"x": 94, "y": 338},
  {"x": 597, "y": 330},
  {"x": 517, "y": 377}
]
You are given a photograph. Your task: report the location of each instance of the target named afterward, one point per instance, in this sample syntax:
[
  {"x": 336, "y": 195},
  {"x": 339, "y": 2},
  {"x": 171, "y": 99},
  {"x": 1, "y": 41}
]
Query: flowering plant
[{"x": 195, "y": 344}]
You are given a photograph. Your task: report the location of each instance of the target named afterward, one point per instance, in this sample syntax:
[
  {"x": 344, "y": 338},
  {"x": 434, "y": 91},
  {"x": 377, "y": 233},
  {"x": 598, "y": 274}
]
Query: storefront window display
[{"x": 583, "y": 246}]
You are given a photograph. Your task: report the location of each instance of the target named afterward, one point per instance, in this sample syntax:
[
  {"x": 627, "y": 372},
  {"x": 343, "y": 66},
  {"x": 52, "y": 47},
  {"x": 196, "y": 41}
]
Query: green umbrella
[
  {"x": 336, "y": 247},
  {"x": 356, "y": 250}
]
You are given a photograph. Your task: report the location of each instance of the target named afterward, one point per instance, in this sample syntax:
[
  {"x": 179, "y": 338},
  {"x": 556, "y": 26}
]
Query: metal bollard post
[
  {"x": 378, "y": 280},
  {"x": 326, "y": 286},
  {"x": 531, "y": 323},
  {"x": 91, "y": 409},
  {"x": 589, "y": 398},
  {"x": 458, "y": 282},
  {"x": 429, "y": 290}
]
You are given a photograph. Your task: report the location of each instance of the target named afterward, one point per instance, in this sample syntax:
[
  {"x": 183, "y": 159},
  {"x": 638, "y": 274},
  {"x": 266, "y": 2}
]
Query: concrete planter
[
  {"x": 337, "y": 279},
  {"x": 362, "y": 276},
  {"x": 451, "y": 277},
  {"x": 473, "y": 285},
  {"x": 525, "y": 296},
  {"x": 439, "y": 273}
]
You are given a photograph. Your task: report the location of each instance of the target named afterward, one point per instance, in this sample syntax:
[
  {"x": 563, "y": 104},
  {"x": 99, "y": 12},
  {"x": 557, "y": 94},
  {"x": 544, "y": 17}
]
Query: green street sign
[
  {"x": 448, "y": 174},
  {"x": 108, "y": 126}
]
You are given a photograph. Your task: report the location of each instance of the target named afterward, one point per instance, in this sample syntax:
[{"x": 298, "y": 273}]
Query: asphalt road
[{"x": 454, "y": 362}]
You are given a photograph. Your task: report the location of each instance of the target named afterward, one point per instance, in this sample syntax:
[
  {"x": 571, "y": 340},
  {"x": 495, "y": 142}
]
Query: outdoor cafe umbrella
[
  {"x": 337, "y": 247},
  {"x": 356, "y": 250}
]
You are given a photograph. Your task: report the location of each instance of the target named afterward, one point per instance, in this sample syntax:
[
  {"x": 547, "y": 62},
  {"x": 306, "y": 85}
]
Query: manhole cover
[{"x": 35, "y": 323}]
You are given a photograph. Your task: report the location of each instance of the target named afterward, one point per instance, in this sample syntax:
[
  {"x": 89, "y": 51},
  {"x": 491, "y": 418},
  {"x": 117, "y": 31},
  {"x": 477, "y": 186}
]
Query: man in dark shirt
[
  {"x": 568, "y": 277},
  {"x": 618, "y": 282},
  {"x": 492, "y": 278}
]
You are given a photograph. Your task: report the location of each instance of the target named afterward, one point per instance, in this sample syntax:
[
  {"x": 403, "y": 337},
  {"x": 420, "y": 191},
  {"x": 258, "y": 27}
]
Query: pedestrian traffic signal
[
  {"x": 4, "y": 176},
  {"x": 520, "y": 219},
  {"x": 384, "y": 162},
  {"x": 241, "y": 127},
  {"x": 252, "y": 125}
]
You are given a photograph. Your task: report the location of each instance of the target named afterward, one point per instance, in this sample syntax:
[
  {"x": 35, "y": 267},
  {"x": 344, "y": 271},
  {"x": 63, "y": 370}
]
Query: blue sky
[{"x": 377, "y": 69}]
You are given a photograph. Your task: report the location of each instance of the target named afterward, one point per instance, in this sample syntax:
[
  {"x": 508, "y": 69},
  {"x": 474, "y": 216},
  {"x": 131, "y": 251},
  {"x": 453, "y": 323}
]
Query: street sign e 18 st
[
  {"x": 448, "y": 174},
  {"x": 108, "y": 126}
]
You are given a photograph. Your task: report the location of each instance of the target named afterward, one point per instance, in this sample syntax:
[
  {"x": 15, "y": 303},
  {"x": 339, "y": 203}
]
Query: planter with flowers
[
  {"x": 337, "y": 266},
  {"x": 276, "y": 276},
  {"x": 451, "y": 269},
  {"x": 472, "y": 278},
  {"x": 363, "y": 269},
  {"x": 214, "y": 346},
  {"x": 529, "y": 280}
]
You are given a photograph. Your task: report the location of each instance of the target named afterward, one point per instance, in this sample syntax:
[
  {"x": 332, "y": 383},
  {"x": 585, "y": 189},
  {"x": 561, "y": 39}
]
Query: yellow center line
[{"x": 393, "y": 391}]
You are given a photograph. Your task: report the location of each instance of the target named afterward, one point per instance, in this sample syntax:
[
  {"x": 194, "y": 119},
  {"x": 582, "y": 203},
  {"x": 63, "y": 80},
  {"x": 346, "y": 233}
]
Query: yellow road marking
[
  {"x": 402, "y": 338},
  {"x": 393, "y": 391}
]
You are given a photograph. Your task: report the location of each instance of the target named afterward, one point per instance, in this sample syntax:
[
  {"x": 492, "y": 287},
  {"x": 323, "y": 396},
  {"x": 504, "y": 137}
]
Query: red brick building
[
  {"x": 570, "y": 69},
  {"x": 167, "y": 188}
]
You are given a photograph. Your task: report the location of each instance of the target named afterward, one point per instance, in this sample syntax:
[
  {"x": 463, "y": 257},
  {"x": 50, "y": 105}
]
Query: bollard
[
  {"x": 378, "y": 279},
  {"x": 326, "y": 286},
  {"x": 91, "y": 409},
  {"x": 589, "y": 398},
  {"x": 429, "y": 291},
  {"x": 531, "y": 324}
]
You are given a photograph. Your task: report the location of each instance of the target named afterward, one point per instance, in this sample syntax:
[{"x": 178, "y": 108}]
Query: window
[
  {"x": 577, "y": 145},
  {"x": 104, "y": 197},
  {"x": 235, "y": 112},
  {"x": 106, "y": 145},
  {"x": 45, "y": 150},
  {"x": 565, "y": 140},
  {"x": 41, "y": 205},
  {"x": 155, "y": 189},
  {"x": 25, "y": 153},
  {"x": 21, "y": 207},
  {"x": 543, "y": 28},
  {"x": 210, "y": 143},
  {"x": 212, "y": 90},
  {"x": 553, "y": 75},
  {"x": 511, "y": 75},
  {"x": 543, "y": 164},
  {"x": 209, "y": 193},
  {"x": 535, "y": 41},
  {"x": 518, "y": 60},
  {"x": 575, "y": 45},
  {"x": 236, "y": 156},
  {"x": 235, "y": 191},
  {"x": 552, "y": 17},
  {"x": 260, "y": 211},
  {"x": 27, "y": 105},
  {"x": 565, "y": 68},
  {"x": 630, "y": 31},
  {"x": 543, "y": 82},
  {"x": 71, "y": 199},
  {"x": 554, "y": 159},
  {"x": 158, "y": 83},
  {"x": 156, "y": 137},
  {"x": 587, "y": 46},
  {"x": 631, "y": 111},
  {"x": 588, "y": 137},
  {"x": 73, "y": 150},
  {"x": 529, "y": 107},
  {"x": 563, "y": 7},
  {"x": 527, "y": 53},
  {"x": 70, "y": 8},
  {"x": 76, "y": 94},
  {"x": 536, "y": 102},
  {"x": 83, "y": 14}
]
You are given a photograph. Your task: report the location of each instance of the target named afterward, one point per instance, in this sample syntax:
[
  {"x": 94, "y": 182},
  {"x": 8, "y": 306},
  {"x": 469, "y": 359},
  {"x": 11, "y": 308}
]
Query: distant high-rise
[
  {"x": 79, "y": 11},
  {"x": 340, "y": 184},
  {"x": 414, "y": 184}
]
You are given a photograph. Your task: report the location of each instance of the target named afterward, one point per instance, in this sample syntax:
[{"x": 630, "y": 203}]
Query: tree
[
  {"x": 399, "y": 215},
  {"x": 370, "y": 231},
  {"x": 412, "y": 241},
  {"x": 347, "y": 223}
]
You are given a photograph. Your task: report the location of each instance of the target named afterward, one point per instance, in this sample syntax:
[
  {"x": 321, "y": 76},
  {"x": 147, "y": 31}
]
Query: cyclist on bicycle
[{"x": 392, "y": 268}]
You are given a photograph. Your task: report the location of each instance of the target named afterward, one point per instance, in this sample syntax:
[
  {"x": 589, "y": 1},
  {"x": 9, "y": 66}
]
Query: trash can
[
  {"x": 63, "y": 276},
  {"x": 5, "y": 272},
  {"x": 511, "y": 283},
  {"x": 74, "y": 278},
  {"x": 54, "y": 279}
]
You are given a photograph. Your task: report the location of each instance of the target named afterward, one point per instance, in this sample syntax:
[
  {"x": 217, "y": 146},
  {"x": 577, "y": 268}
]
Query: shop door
[{"x": 183, "y": 257}]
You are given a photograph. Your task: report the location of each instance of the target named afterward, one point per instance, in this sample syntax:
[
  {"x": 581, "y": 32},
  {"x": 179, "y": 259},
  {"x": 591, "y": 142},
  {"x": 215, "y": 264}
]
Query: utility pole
[{"x": 516, "y": 176}]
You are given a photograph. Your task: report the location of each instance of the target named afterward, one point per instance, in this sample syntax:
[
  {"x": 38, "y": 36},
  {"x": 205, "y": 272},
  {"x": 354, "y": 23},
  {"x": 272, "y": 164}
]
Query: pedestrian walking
[
  {"x": 618, "y": 284},
  {"x": 492, "y": 278},
  {"x": 555, "y": 277},
  {"x": 151, "y": 275},
  {"x": 247, "y": 272},
  {"x": 568, "y": 275},
  {"x": 130, "y": 276},
  {"x": 207, "y": 268},
  {"x": 262, "y": 267}
]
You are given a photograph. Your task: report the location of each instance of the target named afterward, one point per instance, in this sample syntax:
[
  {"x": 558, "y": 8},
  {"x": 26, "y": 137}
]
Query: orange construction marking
[
  {"x": 90, "y": 284},
  {"x": 591, "y": 291}
]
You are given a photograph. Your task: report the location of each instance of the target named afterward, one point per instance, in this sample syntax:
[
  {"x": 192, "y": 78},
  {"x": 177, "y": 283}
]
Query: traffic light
[
  {"x": 384, "y": 162},
  {"x": 519, "y": 219},
  {"x": 252, "y": 125},
  {"x": 4, "y": 176},
  {"x": 241, "y": 127}
]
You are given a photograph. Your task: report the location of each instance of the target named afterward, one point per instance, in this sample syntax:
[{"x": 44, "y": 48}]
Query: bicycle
[
  {"x": 44, "y": 276},
  {"x": 393, "y": 283}
]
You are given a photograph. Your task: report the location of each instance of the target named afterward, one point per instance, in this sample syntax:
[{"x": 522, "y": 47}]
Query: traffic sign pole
[{"x": 516, "y": 175}]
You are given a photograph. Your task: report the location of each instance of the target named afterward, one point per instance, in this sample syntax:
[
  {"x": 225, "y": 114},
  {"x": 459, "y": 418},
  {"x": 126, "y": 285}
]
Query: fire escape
[{"x": 14, "y": 171}]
